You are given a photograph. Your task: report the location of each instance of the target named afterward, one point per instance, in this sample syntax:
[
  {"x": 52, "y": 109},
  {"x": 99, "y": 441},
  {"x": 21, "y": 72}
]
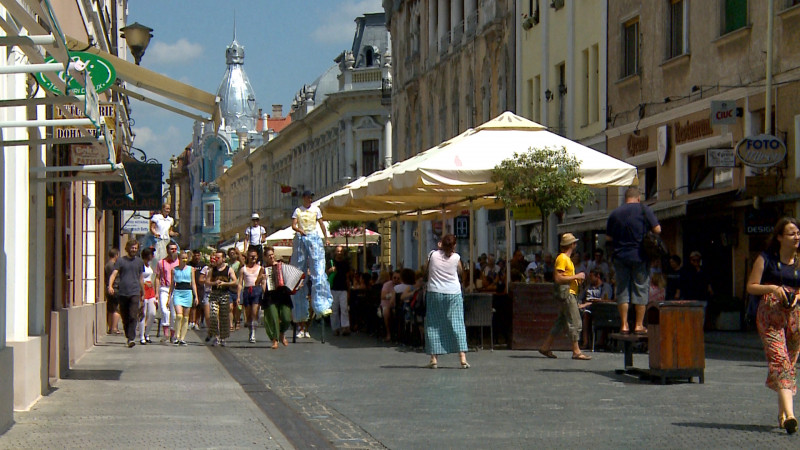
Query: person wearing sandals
[
  {"x": 148, "y": 299},
  {"x": 183, "y": 293},
  {"x": 775, "y": 277},
  {"x": 568, "y": 286},
  {"x": 444, "y": 317}
]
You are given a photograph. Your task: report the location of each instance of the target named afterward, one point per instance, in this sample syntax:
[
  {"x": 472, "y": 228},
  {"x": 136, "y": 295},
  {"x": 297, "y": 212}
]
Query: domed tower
[{"x": 237, "y": 98}]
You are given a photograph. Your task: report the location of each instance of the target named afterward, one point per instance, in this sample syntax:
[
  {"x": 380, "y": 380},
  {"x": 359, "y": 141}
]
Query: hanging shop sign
[
  {"x": 762, "y": 150},
  {"x": 87, "y": 155},
  {"x": 146, "y": 185},
  {"x": 637, "y": 144},
  {"x": 723, "y": 112},
  {"x": 720, "y": 157},
  {"x": 662, "y": 144},
  {"x": 100, "y": 71}
]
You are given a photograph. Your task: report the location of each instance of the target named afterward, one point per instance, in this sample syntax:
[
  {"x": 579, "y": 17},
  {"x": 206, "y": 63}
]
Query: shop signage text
[
  {"x": 101, "y": 72},
  {"x": 146, "y": 185},
  {"x": 638, "y": 144},
  {"x": 762, "y": 150},
  {"x": 692, "y": 130},
  {"x": 85, "y": 155},
  {"x": 723, "y": 112},
  {"x": 720, "y": 157}
]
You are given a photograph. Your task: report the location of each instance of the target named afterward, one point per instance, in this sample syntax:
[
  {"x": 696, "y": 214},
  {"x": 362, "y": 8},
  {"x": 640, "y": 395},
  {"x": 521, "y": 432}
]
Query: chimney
[{"x": 277, "y": 111}]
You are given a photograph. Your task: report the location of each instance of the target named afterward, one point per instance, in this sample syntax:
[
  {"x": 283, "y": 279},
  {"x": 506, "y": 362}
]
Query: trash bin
[{"x": 675, "y": 340}]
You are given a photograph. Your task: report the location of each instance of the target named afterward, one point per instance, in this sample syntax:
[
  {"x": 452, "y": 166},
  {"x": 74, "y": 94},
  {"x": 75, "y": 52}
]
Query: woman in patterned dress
[
  {"x": 444, "y": 317},
  {"x": 776, "y": 278}
]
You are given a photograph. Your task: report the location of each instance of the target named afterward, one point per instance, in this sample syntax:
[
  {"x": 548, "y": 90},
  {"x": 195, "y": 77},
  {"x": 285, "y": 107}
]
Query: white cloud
[
  {"x": 180, "y": 52},
  {"x": 161, "y": 144},
  {"x": 337, "y": 25}
]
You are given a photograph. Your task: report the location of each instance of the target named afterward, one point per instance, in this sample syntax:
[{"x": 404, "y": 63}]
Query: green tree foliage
[{"x": 548, "y": 178}]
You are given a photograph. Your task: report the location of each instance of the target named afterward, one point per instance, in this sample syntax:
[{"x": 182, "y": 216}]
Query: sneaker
[
  {"x": 182, "y": 343},
  {"x": 327, "y": 312},
  {"x": 176, "y": 343},
  {"x": 299, "y": 334},
  {"x": 222, "y": 342},
  {"x": 252, "y": 339},
  {"x": 131, "y": 343},
  {"x": 306, "y": 334},
  {"x": 143, "y": 342},
  {"x": 147, "y": 339}
]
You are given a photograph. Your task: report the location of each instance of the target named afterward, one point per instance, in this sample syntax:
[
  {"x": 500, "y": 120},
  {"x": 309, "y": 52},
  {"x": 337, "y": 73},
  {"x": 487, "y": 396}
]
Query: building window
[
  {"x": 677, "y": 41},
  {"x": 702, "y": 177},
  {"x": 370, "y": 156},
  {"x": 537, "y": 99},
  {"x": 630, "y": 50},
  {"x": 650, "y": 183},
  {"x": 210, "y": 217},
  {"x": 734, "y": 15}
]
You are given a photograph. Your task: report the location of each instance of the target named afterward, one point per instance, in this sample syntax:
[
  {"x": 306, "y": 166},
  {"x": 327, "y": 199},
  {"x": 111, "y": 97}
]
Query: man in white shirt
[
  {"x": 309, "y": 255},
  {"x": 254, "y": 237},
  {"x": 161, "y": 231}
]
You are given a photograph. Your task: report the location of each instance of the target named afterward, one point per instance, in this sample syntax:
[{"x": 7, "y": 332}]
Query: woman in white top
[
  {"x": 148, "y": 299},
  {"x": 444, "y": 318}
]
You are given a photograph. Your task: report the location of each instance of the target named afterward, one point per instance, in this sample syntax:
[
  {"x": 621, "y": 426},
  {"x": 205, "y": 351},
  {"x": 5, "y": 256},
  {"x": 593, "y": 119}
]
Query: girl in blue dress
[{"x": 182, "y": 292}]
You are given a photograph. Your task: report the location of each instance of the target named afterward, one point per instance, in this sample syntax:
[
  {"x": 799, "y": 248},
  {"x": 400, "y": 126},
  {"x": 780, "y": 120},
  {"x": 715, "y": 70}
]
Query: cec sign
[{"x": 763, "y": 150}]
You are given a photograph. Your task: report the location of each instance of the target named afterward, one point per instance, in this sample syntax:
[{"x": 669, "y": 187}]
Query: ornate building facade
[
  {"x": 213, "y": 150},
  {"x": 454, "y": 69},
  {"x": 340, "y": 129}
]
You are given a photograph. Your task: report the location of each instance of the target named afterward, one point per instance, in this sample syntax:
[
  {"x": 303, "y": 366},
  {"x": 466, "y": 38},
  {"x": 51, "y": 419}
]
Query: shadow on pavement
[
  {"x": 94, "y": 374},
  {"x": 727, "y": 426}
]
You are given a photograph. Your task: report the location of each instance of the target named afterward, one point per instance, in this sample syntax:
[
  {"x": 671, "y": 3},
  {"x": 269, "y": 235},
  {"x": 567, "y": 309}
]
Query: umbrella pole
[
  {"x": 419, "y": 239},
  {"x": 508, "y": 248},
  {"x": 364, "y": 247},
  {"x": 471, "y": 244}
]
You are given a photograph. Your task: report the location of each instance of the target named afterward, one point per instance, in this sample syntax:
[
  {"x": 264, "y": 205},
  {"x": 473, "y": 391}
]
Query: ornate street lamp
[{"x": 137, "y": 36}]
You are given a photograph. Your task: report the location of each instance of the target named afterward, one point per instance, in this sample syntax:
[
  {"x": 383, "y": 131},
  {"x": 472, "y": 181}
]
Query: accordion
[{"x": 284, "y": 275}]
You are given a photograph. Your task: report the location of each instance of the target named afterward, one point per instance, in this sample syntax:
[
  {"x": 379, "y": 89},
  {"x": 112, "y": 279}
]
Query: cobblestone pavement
[
  {"x": 154, "y": 396},
  {"x": 360, "y": 394}
]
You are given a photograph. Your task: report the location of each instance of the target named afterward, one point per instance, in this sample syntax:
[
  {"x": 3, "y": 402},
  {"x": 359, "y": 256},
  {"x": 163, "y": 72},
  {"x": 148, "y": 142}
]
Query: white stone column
[
  {"x": 408, "y": 247},
  {"x": 443, "y": 18},
  {"x": 433, "y": 23},
  {"x": 349, "y": 151},
  {"x": 388, "y": 153},
  {"x": 456, "y": 16}
]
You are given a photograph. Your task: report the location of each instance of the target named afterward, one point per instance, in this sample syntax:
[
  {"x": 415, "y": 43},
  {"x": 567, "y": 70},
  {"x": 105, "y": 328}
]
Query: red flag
[{"x": 285, "y": 189}]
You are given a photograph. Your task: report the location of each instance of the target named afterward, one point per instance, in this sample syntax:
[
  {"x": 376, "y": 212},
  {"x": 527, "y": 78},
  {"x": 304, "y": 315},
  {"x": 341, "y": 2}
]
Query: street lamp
[{"x": 137, "y": 36}]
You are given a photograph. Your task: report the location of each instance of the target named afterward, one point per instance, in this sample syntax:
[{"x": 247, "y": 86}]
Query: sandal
[
  {"x": 548, "y": 353},
  {"x": 790, "y": 424},
  {"x": 641, "y": 332},
  {"x": 582, "y": 357}
]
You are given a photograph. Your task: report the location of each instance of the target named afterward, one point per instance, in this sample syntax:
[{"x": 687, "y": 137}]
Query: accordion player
[{"x": 284, "y": 275}]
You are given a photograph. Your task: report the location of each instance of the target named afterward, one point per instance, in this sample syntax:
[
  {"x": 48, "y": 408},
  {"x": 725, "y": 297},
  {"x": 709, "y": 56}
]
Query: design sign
[
  {"x": 763, "y": 150},
  {"x": 100, "y": 71}
]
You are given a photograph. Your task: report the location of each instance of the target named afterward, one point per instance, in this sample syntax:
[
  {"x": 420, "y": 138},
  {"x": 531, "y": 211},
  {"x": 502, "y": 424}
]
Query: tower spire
[{"x": 234, "y": 24}]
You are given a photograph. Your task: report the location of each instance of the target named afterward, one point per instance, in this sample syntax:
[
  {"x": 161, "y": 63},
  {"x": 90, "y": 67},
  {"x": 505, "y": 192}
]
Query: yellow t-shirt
[
  {"x": 307, "y": 218},
  {"x": 564, "y": 264}
]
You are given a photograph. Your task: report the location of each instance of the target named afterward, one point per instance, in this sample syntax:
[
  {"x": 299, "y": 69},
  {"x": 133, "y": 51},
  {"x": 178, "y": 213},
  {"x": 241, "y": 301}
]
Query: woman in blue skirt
[
  {"x": 444, "y": 317},
  {"x": 182, "y": 292}
]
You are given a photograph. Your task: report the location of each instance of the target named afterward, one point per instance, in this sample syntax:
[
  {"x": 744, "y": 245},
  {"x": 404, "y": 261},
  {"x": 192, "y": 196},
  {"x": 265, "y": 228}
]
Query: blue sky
[{"x": 287, "y": 43}]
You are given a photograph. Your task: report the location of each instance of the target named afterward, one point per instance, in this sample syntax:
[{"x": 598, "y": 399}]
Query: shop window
[
  {"x": 650, "y": 183},
  {"x": 210, "y": 218},
  {"x": 370, "y": 156},
  {"x": 734, "y": 15},
  {"x": 702, "y": 177},
  {"x": 630, "y": 49},
  {"x": 676, "y": 41}
]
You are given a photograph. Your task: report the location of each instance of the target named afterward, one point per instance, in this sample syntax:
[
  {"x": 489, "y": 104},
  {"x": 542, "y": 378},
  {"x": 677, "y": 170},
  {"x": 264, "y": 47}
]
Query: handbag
[
  {"x": 652, "y": 247},
  {"x": 427, "y": 270}
]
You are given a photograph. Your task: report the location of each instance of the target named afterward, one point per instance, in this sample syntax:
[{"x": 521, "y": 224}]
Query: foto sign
[
  {"x": 723, "y": 112},
  {"x": 762, "y": 150},
  {"x": 101, "y": 72},
  {"x": 720, "y": 157}
]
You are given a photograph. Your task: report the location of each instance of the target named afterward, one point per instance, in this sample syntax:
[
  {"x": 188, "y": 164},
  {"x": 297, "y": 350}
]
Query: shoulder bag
[{"x": 652, "y": 246}]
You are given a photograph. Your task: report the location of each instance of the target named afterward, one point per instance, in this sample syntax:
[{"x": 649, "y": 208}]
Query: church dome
[{"x": 237, "y": 97}]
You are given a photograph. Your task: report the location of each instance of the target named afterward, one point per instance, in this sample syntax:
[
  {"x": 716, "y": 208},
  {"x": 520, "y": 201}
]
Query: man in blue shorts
[{"x": 625, "y": 230}]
